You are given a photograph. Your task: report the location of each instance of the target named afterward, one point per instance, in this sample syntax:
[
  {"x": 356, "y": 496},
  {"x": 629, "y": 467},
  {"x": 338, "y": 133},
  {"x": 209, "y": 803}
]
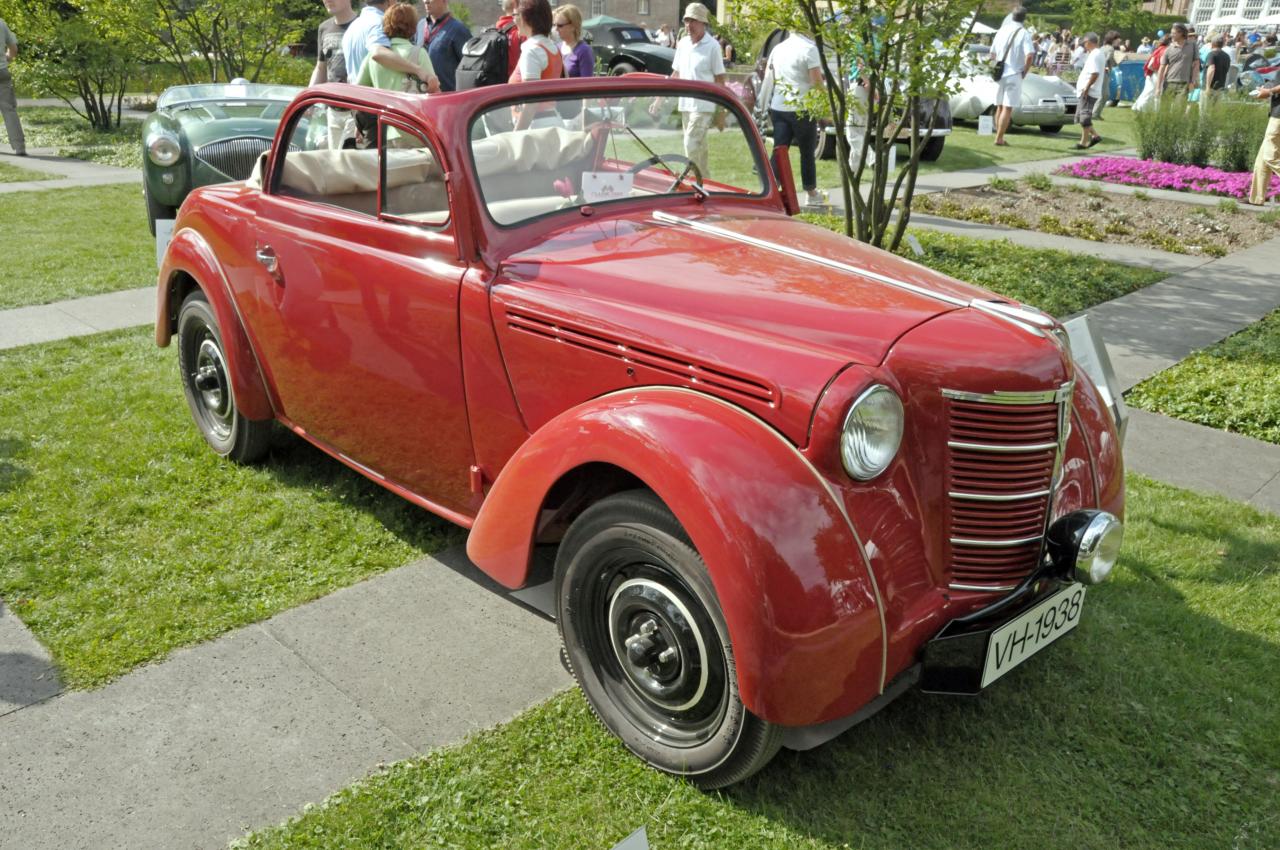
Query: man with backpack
[{"x": 491, "y": 57}]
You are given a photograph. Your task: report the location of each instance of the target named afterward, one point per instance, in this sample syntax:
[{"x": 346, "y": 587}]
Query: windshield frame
[{"x": 746, "y": 126}]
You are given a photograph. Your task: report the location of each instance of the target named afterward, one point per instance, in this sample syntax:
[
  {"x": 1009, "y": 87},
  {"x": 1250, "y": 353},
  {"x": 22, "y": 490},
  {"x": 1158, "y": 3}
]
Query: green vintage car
[{"x": 203, "y": 134}]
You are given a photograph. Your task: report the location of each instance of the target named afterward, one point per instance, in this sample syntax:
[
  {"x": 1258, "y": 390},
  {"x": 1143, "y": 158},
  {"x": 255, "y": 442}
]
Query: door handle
[{"x": 269, "y": 261}]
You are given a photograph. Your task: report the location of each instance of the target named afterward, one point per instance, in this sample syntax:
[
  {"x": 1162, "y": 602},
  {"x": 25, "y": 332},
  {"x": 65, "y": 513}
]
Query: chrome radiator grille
[
  {"x": 1004, "y": 451},
  {"x": 233, "y": 157}
]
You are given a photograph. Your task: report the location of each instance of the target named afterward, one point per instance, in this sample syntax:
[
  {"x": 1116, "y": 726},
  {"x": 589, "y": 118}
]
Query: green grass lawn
[
  {"x": 126, "y": 537},
  {"x": 15, "y": 174},
  {"x": 1234, "y": 385},
  {"x": 1152, "y": 726},
  {"x": 65, "y": 243},
  {"x": 60, "y": 128},
  {"x": 1058, "y": 282}
]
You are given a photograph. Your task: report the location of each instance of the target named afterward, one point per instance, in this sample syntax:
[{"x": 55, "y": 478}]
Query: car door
[{"x": 356, "y": 301}]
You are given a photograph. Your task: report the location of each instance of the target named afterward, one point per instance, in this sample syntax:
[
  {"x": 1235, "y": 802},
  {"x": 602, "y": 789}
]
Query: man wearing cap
[{"x": 698, "y": 57}]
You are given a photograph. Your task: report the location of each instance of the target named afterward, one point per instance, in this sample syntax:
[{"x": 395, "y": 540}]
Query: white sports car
[{"x": 1047, "y": 101}]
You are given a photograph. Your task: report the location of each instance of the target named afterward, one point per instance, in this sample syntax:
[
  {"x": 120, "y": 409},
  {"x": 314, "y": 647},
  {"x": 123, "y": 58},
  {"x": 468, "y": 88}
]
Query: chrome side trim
[
  {"x": 994, "y": 544},
  {"x": 986, "y": 497},
  {"x": 1003, "y": 397},
  {"x": 1013, "y": 449},
  {"x": 702, "y": 227},
  {"x": 982, "y": 588}
]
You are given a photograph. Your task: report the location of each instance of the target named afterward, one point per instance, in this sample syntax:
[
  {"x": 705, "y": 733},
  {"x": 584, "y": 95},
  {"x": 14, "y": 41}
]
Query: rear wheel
[
  {"x": 826, "y": 145},
  {"x": 645, "y": 638},
  {"x": 207, "y": 386},
  {"x": 622, "y": 68},
  {"x": 1050, "y": 128}
]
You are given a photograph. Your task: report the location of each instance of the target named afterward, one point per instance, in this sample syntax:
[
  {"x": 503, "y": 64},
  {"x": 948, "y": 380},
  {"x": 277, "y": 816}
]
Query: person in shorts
[
  {"x": 1089, "y": 90},
  {"x": 1013, "y": 46}
]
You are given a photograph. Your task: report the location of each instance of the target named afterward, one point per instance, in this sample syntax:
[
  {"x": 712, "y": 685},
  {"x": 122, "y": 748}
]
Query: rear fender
[
  {"x": 190, "y": 257},
  {"x": 787, "y": 567}
]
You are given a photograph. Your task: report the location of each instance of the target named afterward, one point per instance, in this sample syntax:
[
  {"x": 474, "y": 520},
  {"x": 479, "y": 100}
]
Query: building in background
[{"x": 1234, "y": 14}]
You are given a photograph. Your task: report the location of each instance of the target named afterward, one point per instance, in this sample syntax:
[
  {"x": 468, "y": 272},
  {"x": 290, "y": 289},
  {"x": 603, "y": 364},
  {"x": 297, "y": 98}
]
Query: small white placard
[
  {"x": 914, "y": 244},
  {"x": 164, "y": 232},
  {"x": 986, "y": 125},
  {"x": 638, "y": 840},
  {"x": 600, "y": 186},
  {"x": 893, "y": 159}
]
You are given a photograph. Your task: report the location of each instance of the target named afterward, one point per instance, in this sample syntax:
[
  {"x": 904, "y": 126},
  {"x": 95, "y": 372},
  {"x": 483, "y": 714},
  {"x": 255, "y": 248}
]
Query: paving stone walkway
[{"x": 238, "y": 733}]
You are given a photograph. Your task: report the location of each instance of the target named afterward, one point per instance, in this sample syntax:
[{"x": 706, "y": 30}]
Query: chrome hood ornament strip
[{"x": 1030, "y": 320}]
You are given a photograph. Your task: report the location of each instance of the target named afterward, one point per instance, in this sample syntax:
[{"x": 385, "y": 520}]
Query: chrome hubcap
[
  {"x": 658, "y": 644},
  {"x": 210, "y": 380}
]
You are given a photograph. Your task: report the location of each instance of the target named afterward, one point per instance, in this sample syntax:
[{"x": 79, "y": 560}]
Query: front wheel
[
  {"x": 622, "y": 68},
  {"x": 825, "y": 146},
  {"x": 646, "y": 640},
  {"x": 1050, "y": 128},
  {"x": 207, "y": 386}
]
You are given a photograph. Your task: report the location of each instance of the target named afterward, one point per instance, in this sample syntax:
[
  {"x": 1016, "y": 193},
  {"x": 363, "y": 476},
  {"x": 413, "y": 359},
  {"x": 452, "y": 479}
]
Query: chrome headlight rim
[
  {"x": 1085, "y": 545},
  {"x": 861, "y": 460},
  {"x": 164, "y": 150}
]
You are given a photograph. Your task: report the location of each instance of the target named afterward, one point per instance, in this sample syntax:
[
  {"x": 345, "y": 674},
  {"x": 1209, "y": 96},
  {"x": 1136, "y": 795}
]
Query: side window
[
  {"x": 413, "y": 186},
  {"x": 331, "y": 159}
]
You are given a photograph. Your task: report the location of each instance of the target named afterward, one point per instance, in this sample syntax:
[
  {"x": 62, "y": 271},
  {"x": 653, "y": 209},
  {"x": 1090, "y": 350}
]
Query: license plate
[
  {"x": 164, "y": 232},
  {"x": 1030, "y": 632}
]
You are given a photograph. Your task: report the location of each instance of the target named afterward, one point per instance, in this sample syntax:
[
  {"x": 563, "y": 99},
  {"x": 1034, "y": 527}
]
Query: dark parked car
[
  {"x": 204, "y": 134},
  {"x": 626, "y": 48}
]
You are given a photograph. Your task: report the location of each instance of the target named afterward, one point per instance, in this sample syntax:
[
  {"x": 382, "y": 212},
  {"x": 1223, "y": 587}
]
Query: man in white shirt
[
  {"x": 795, "y": 68},
  {"x": 364, "y": 37},
  {"x": 1013, "y": 46},
  {"x": 698, "y": 57},
  {"x": 1089, "y": 90}
]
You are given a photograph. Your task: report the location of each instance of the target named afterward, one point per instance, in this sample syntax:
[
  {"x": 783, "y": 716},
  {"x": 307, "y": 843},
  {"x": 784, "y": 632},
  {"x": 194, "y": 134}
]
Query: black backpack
[{"x": 484, "y": 59}]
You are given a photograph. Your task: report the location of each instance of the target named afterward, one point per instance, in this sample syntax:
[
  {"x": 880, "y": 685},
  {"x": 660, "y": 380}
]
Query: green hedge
[{"x": 1225, "y": 133}]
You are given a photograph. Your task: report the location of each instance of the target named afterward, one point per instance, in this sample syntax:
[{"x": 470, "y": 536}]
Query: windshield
[
  {"x": 546, "y": 156},
  {"x": 626, "y": 35},
  {"x": 227, "y": 92}
]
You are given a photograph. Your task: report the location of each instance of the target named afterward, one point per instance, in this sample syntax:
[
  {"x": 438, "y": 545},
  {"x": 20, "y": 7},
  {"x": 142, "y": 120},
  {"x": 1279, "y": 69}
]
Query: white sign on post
[
  {"x": 893, "y": 159},
  {"x": 986, "y": 125},
  {"x": 164, "y": 232}
]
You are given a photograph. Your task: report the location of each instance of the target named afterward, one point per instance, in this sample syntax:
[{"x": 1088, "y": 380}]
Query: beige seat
[{"x": 349, "y": 179}]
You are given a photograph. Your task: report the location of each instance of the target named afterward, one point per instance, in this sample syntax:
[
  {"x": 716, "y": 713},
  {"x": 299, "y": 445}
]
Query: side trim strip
[
  {"x": 1003, "y": 397},
  {"x": 668, "y": 218}
]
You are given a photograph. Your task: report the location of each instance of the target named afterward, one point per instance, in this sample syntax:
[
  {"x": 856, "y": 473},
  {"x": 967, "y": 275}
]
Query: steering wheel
[{"x": 662, "y": 158}]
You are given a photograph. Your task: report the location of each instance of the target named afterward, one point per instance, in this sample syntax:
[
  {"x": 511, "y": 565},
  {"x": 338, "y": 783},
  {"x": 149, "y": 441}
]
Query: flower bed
[{"x": 1163, "y": 175}]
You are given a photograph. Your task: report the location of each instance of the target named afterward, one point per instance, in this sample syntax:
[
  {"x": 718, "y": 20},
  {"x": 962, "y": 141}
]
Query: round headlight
[
  {"x": 164, "y": 150},
  {"x": 1085, "y": 545},
  {"x": 872, "y": 433}
]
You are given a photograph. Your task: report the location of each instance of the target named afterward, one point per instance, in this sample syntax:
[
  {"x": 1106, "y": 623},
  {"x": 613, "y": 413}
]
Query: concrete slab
[
  {"x": 77, "y": 317},
  {"x": 1268, "y": 498},
  {"x": 27, "y": 674},
  {"x": 433, "y": 650},
  {"x": 1199, "y": 458},
  {"x": 224, "y": 737},
  {"x": 114, "y": 310},
  {"x": 241, "y": 732}
]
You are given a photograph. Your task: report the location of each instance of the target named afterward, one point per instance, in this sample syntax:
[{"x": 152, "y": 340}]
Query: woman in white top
[{"x": 539, "y": 58}]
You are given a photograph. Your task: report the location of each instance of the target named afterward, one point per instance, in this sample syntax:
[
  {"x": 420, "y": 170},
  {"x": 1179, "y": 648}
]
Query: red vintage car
[{"x": 785, "y": 476}]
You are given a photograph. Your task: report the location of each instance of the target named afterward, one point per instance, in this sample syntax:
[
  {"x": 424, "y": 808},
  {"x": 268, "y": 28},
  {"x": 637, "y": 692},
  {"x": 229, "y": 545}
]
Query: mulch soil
[{"x": 1117, "y": 219}]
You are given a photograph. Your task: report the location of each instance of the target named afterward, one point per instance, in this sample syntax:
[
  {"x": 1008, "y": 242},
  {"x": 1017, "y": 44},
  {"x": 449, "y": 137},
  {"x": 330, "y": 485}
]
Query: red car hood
[{"x": 737, "y": 298}]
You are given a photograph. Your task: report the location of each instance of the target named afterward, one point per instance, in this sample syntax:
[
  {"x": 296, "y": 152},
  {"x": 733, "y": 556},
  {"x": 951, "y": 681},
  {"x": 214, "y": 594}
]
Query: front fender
[
  {"x": 801, "y": 607},
  {"x": 189, "y": 255}
]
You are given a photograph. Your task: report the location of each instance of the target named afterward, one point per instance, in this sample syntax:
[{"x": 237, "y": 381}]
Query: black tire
[
  {"x": 622, "y": 68},
  {"x": 155, "y": 209},
  {"x": 933, "y": 148},
  {"x": 644, "y": 636},
  {"x": 1050, "y": 128},
  {"x": 825, "y": 148},
  {"x": 207, "y": 386}
]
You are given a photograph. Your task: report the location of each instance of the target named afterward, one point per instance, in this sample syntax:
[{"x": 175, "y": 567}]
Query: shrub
[
  {"x": 1269, "y": 217},
  {"x": 1228, "y": 206},
  {"x": 1141, "y": 195},
  {"x": 1002, "y": 184},
  {"x": 1222, "y": 131},
  {"x": 1241, "y": 127},
  {"x": 1039, "y": 182}
]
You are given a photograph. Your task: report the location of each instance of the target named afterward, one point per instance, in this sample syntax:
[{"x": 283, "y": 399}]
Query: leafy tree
[
  {"x": 78, "y": 53},
  {"x": 219, "y": 40},
  {"x": 885, "y": 62}
]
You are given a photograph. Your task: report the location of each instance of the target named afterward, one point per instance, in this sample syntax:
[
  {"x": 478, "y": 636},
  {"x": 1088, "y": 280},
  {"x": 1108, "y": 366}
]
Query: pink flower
[{"x": 1164, "y": 175}]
